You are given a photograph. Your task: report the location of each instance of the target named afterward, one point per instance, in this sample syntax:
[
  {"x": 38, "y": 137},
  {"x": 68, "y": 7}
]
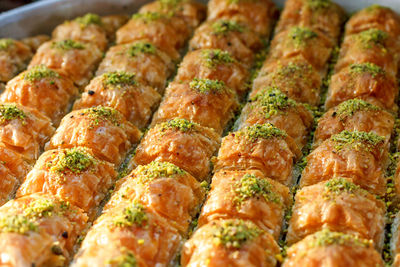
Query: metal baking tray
[{"x": 41, "y": 17}]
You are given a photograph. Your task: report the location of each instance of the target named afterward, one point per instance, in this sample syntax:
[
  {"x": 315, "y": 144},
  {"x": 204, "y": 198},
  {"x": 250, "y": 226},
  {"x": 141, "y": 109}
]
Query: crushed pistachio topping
[
  {"x": 141, "y": 47},
  {"x": 135, "y": 214},
  {"x": 372, "y": 37},
  {"x": 319, "y": 4},
  {"x": 264, "y": 131},
  {"x": 148, "y": 16},
  {"x": 205, "y": 86},
  {"x": 10, "y": 112},
  {"x": 75, "y": 160},
  {"x": 17, "y": 224},
  {"x": 223, "y": 27},
  {"x": 119, "y": 78},
  {"x": 326, "y": 238},
  {"x": 375, "y": 7},
  {"x": 350, "y": 107},
  {"x": 103, "y": 113},
  {"x": 340, "y": 185},
  {"x": 88, "y": 19},
  {"x": 67, "y": 45},
  {"x": 357, "y": 140},
  {"x": 371, "y": 68},
  {"x": 300, "y": 35},
  {"x": 251, "y": 186},
  {"x": 272, "y": 101},
  {"x": 5, "y": 43},
  {"x": 127, "y": 259},
  {"x": 182, "y": 125},
  {"x": 214, "y": 57},
  {"x": 233, "y": 234},
  {"x": 157, "y": 169},
  {"x": 172, "y": 3},
  {"x": 39, "y": 72},
  {"x": 40, "y": 208}
]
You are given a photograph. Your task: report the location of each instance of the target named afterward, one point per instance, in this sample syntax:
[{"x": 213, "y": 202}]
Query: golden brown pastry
[
  {"x": 230, "y": 243},
  {"x": 24, "y": 130},
  {"x": 168, "y": 33},
  {"x": 354, "y": 115},
  {"x": 39, "y": 230},
  {"x": 272, "y": 106},
  {"x": 85, "y": 29},
  {"x": 141, "y": 58},
  {"x": 246, "y": 195},
  {"x": 111, "y": 23},
  {"x": 192, "y": 12},
  {"x": 214, "y": 64},
  {"x": 366, "y": 81},
  {"x": 228, "y": 35},
  {"x": 259, "y": 15},
  {"x": 123, "y": 92},
  {"x": 209, "y": 103},
  {"x": 339, "y": 205},
  {"x": 74, "y": 175},
  {"x": 260, "y": 147},
  {"x": 294, "y": 76},
  {"x": 163, "y": 187},
  {"x": 36, "y": 41},
  {"x": 130, "y": 234},
  {"x": 102, "y": 129},
  {"x": 43, "y": 89},
  {"x": 309, "y": 43},
  {"x": 324, "y": 16},
  {"x": 181, "y": 142},
  {"x": 77, "y": 60},
  {"x": 359, "y": 156},
  {"x": 333, "y": 249},
  {"x": 14, "y": 58}
]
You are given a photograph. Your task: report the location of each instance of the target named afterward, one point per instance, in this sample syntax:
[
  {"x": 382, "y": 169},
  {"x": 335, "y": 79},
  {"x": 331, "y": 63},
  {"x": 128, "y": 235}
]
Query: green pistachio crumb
[
  {"x": 40, "y": 208},
  {"x": 223, "y": 27},
  {"x": 5, "y": 43},
  {"x": 300, "y": 35},
  {"x": 89, "y": 19},
  {"x": 182, "y": 125},
  {"x": 10, "y": 112},
  {"x": 119, "y": 78},
  {"x": 272, "y": 101},
  {"x": 66, "y": 45},
  {"x": 357, "y": 140},
  {"x": 157, "y": 169},
  {"x": 148, "y": 16},
  {"x": 251, "y": 186},
  {"x": 19, "y": 224},
  {"x": 215, "y": 57},
  {"x": 103, "y": 113},
  {"x": 327, "y": 238},
  {"x": 135, "y": 214},
  {"x": 264, "y": 131},
  {"x": 127, "y": 259},
  {"x": 75, "y": 160},
  {"x": 235, "y": 233},
  {"x": 372, "y": 69},
  {"x": 205, "y": 86},
  {"x": 319, "y": 4},
  {"x": 141, "y": 47},
  {"x": 372, "y": 37},
  {"x": 340, "y": 185},
  {"x": 350, "y": 107},
  {"x": 39, "y": 72}
]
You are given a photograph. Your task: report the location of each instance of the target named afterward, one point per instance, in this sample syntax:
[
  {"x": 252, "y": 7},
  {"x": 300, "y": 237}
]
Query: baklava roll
[
  {"x": 209, "y": 103},
  {"x": 359, "y": 156},
  {"x": 230, "y": 243},
  {"x": 228, "y": 35},
  {"x": 260, "y": 147},
  {"x": 85, "y": 29},
  {"x": 168, "y": 33},
  {"x": 310, "y": 44},
  {"x": 74, "y": 175},
  {"x": 327, "y": 248},
  {"x": 366, "y": 81},
  {"x": 123, "y": 92},
  {"x": 43, "y": 89},
  {"x": 297, "y": 78},
  {"x": 14, "y": 58},
  {"x": 39, "y": 230},
  {"x": 324, "y": 16},
  {"x": 13, "y": 169},
  {"x": 258, "y": 15},
  {"x": 214, "y": 64},
  {"x": 374, "y": 17},
  {"x": 192, "y": 12},
  {"x": 340, "y": 206},
  {"x": 141, "y": 58},
  {"x": 24, "y": 130},
  {"x": 166, "y": 189},
  {"x": 272, "y": 106},
  {"x": 354, "y": 115},
  {"x": 246, "y": 195},
  {"x": 102, "y": 129},
  {"x": 129, "y": 235},
  {"x": 369, "y": 46},
  {"x": 181, "y": 142},
  {"x": 77, "y": 60}
]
